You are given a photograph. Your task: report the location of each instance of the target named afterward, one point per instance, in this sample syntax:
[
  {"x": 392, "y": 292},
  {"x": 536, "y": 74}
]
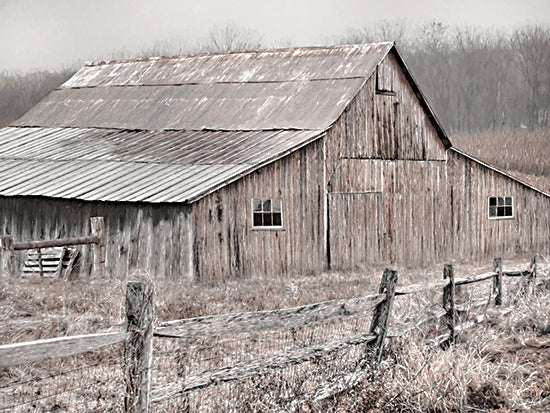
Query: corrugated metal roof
[
  {"x": 174, "y": 129},
  {"x": 219, "y": 106},
  {"x": 281, "y": 65},
  {"x": 133, "y": 166}
]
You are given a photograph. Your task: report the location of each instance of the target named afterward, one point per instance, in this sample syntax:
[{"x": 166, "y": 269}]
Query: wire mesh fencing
[{"x": 90, "y": 382}]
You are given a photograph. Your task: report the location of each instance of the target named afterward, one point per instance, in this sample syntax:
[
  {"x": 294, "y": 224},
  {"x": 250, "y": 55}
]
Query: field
[{"x": 501, "y": 365}]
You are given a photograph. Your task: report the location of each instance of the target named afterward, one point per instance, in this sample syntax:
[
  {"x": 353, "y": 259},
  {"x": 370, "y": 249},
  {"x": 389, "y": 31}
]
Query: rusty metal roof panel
[
  {"x": 134, "y": 166},
  {"x": 294, "y": 64},
  {"x": 243, "y": 106}
]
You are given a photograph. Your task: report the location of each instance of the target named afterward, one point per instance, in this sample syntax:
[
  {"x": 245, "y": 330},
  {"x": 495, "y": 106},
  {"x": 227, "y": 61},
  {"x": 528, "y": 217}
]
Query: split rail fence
[{"x": 137, "y": 358}]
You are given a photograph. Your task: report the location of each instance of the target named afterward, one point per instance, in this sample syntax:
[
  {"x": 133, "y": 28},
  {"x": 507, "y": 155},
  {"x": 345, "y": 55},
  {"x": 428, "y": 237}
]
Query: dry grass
[
  {"x": 499, "y": 366},
  {"x": 524, "y": 154}
]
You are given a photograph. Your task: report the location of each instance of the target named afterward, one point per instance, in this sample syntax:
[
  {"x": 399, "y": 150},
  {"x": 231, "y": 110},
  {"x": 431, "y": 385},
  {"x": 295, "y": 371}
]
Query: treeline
[
  {"x": 475, "y": 80},
  {"x": 18, "y": 93}
]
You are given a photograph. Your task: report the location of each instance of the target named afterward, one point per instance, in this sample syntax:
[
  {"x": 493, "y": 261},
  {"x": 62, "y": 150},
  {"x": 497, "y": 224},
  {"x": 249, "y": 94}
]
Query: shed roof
[{"x": 175, "y": 129}]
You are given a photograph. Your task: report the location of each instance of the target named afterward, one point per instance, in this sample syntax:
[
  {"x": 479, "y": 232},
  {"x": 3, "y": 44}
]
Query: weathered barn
[{"x": 266, "y": 162}]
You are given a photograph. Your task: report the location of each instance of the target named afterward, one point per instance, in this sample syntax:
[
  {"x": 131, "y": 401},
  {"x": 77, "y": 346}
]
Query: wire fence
[
  {"x": 177, "y": 359},
  {"x": 88, "y": 382}
]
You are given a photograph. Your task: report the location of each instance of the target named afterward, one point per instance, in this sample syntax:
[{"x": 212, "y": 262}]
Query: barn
[{"x": 265, "y": 162}]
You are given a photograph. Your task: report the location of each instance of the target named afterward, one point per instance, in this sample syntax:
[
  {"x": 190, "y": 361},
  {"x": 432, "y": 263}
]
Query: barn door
[{"x": 362, "y": 229}]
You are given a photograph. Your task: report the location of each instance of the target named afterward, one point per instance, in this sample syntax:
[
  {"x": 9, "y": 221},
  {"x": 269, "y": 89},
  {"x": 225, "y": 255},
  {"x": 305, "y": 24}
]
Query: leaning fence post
[
  {"x": 138, "y": 349},
  {"x": 7, "y": 256},
  {"x": 497, "y": 280},
  {"x": 532, "y": 272},
  {"x": 380, "y": 318},
  {"x": 98, "y": 230},
  {"x": 449, "y": 301}
]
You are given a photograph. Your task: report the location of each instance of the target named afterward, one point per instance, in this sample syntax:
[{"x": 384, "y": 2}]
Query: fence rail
[
  {"x": 8, "y": 247},
  {"x": 138, "y": 337}
]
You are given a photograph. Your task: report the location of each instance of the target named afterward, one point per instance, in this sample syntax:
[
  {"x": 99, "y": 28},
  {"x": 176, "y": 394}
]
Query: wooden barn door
[{"x": 362, "y": 229}]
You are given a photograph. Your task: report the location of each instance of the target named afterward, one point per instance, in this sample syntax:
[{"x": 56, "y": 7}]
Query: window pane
[
  {"x": 492, "y": 201},
  {"x": 508, "y": 211},
  {"x": 492, "y": 211},
  {"x": 267, "y": 205},
  {"x": 257, "y": 204},
  {"x": 276, "y": 205},
  {"x": 277, "y": 219},
  {"x": 500, "y": 212},
  {"x": 508, "y": 201},
  {"x": 500, "y": 201},
  {"x": 257, "y": 219},
  {"x": 267, "y": 219}
]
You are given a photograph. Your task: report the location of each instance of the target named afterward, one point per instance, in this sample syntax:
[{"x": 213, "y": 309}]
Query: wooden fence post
[
  {"x": 449, "y": 301},
  {"x": 380, "y": 318},
  {"x": 7, "y": 256},
  {"x": 138, "y": 350},
  {"x": 497, "y": 281},
  {"x": 532, "y": 273},
  {"x": 98, "y": 230}
]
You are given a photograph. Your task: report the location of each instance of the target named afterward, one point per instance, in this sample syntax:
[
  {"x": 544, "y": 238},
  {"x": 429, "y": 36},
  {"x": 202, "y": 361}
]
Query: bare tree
[
  {"x": 531, "y": 47},
  {"x": 382, "y": 31},
  {"x": 231, "y": 37}
]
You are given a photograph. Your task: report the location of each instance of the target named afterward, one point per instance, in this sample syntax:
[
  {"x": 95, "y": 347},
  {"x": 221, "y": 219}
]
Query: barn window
[
  {"x": 501, "y": 207},
  {"x": 267, "y": 213},
  {"x": 384, "y": 81}
]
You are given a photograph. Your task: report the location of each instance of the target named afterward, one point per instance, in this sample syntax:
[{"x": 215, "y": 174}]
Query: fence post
[
  {"x": 449, "y": 301},
  {"x": 7, "y": 256},
  {"x": 98, "y": 229},
  {"x": 532, "y": 272},
  {"x": 380, "y": 318},
  {"x": 138, "y": 349},
  {"x": 497, "y": 281}
]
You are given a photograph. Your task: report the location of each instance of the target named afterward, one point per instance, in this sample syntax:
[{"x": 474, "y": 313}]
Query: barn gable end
[{"x": 386, "y": 164}]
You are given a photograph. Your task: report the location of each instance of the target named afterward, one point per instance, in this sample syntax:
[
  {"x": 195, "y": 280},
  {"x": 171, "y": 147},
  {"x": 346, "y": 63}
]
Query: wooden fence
[
  {"x": 9, "y": 266},
  {"x": 139, "y": 334}
]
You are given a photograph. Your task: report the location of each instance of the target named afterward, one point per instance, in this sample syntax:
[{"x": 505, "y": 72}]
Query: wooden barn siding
[
  {"x": 155, "y": 239},
  {"x": 403, "y": 222},
  {"x": 476, "y": 237},
  {"x": 387, "y": 178},
  {"x": 225, "y": 243}
]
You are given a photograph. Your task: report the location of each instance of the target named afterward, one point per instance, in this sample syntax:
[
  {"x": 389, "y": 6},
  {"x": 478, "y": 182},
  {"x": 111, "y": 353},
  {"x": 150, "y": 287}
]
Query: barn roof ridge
[{"x": 233, "y": 52}]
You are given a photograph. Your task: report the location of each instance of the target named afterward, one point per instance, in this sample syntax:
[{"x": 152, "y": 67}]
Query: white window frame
[
  {"x": 267, "y": 227},
  {"x": 500, "y": 206}
]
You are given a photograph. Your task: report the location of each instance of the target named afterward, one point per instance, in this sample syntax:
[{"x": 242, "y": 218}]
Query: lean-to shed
[{"x": 263, "y": 162}]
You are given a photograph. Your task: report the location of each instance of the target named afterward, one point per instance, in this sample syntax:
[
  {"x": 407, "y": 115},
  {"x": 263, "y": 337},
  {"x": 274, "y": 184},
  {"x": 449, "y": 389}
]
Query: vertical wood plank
[
  {"x": 98, "y": 229},
  {"x": 381, "y": 316},
  {"x": 497, "y": 281},
  {"x": 449, "y": 301},
  {"x": 7, "y": 256},
  {"x": 138, "y": 350}
]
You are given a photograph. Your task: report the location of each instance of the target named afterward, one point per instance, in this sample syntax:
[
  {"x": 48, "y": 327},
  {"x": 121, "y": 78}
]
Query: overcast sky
[{"x": 50, "y": 34}]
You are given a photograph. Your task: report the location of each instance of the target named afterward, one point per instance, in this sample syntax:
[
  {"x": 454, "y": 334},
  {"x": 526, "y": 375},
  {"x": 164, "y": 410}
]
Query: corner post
[
  {"x": 497, "y": 280},
  {"x": 138, "y": 349},
  {"x": 381, "y": 316},
  {"x": 449, "y": 301},
  {"x": 7, "y": 256},
  {"x": 98, "y": 230}
]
